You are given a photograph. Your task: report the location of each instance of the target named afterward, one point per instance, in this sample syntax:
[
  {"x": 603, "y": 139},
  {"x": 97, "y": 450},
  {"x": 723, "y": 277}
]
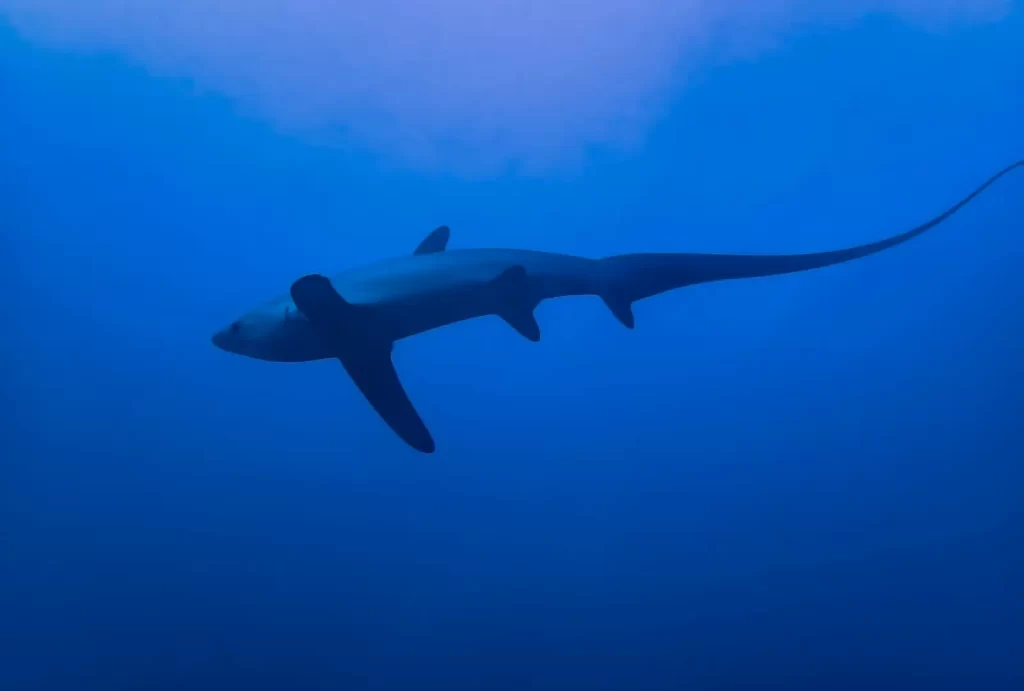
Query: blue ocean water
[{"x": 808, "y": 481}]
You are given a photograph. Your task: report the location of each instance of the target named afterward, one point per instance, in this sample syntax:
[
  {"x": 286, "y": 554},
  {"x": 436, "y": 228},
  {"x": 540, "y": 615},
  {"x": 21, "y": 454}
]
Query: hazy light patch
[{"x": 465, "y": 84}]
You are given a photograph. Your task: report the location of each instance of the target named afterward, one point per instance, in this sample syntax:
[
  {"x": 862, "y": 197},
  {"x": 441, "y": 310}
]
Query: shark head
[
  {"x": 275, "y": 331},
  {"x": 254, "y": 334}
]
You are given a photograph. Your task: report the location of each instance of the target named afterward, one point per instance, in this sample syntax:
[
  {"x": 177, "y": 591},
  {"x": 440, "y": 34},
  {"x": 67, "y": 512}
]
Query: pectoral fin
[
  {"x": 324, "y": 308},
  {"x": 374, "y": 374},
  {"x": 367, "y": 360}
]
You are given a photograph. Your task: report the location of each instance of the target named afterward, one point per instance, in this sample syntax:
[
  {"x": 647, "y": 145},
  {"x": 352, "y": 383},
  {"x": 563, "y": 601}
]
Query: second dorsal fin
[{"x": 437, "y": 241}]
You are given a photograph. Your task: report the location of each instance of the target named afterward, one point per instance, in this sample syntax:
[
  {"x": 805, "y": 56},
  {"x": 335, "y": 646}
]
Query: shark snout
[
  {"x": 219, "y": 339},
  {"x": 226, "y": 339},
  {"x": 231, "y": 339}
]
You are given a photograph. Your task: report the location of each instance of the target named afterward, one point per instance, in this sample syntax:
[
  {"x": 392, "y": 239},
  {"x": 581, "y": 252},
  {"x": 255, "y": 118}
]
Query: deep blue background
[{"x": 812, "y": 481}]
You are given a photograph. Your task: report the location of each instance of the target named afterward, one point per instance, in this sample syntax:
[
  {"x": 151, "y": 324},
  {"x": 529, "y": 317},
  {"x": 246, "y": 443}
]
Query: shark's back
[{"x": 415, "y": 276}]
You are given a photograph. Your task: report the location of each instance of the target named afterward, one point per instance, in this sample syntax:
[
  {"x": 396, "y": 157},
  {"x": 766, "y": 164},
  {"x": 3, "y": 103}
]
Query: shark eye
[{"x": 236, "y": 327}]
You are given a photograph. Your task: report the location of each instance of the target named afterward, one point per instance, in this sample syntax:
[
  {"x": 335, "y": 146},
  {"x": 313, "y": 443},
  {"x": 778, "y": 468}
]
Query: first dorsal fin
[{"x": 437, "y": 241}]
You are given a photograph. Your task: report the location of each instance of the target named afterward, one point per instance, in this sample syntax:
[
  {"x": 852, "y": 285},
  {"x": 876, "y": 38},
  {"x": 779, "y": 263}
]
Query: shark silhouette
[{"x": 357, "y": 316}]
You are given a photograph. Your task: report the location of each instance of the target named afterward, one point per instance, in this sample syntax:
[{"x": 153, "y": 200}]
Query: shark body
[{"x": 356, "y": 316}]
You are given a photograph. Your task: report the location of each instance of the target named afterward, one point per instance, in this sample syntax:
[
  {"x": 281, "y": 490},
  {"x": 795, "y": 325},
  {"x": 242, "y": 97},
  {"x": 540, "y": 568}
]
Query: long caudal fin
[{"x": 631, "y": 277}]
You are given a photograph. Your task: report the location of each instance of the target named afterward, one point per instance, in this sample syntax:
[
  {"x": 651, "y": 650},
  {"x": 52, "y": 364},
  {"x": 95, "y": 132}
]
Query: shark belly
[
  {"x": 297, "y": 341},
  {"x": 408, "y": 317}
]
